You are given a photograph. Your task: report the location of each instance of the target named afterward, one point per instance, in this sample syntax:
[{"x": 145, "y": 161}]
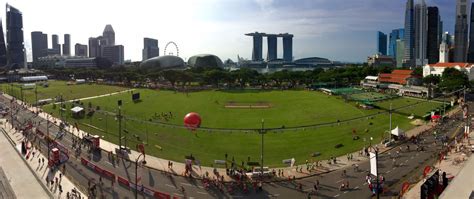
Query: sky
[{"x": 340, "y": 30}]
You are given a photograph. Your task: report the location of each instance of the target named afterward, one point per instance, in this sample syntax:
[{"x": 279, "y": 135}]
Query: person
[{"x": 342, "y": 187}]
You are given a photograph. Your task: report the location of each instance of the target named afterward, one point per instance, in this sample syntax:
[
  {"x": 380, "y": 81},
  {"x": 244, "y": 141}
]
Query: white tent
[
  {"x": 397, "y": 132},
  {"x": 77, "y": 109}
]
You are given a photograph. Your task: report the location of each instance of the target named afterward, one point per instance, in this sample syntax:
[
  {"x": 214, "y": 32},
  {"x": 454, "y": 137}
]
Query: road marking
[
  {"x": 187, "y": 184},
  {"x": 177, "y": 194},
  {"x": 340, "y": 181},
  {"x": 201, "y": 192},
  {"x": 388, "y": 172},
  {"x": 276, "y": 195},
  {"x": 412, "y": 157},
  {"x": 356, "y": 187},
  {"x": 170, "y": 185},
  {"x": 346, "y": 191},
  {"x": 393, "y": 169},
  {"x": 365, "y": 183},
  {"x": 201, "y": 187},
  {"x": 406, "y": 160},
  {"x": 336, "y": 196},
  {"x": 307, "y": 189}
]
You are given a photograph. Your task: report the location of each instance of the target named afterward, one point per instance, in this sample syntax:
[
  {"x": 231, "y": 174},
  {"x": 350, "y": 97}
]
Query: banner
[{"x": 373, "y": 163}]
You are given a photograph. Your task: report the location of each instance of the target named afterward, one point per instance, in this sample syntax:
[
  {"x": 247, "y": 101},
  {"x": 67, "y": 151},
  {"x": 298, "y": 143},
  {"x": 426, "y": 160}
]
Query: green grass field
[
  {"x": 287, "y": 108},
  {"x": 56, "y": 88},
  {"x": 418, "y": 110},
  {"x": 370, "y": 96}
]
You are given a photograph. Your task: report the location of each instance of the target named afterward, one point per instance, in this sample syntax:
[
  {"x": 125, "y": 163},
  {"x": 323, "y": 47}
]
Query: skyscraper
[
  {"x": 470, "y": 51},
  {"x": 3, "y": 49},
  {"x": 395, "y": 35},
  {"x": 460, "y": 31},
  {"x": 80, "y": 50},
  {"x": 400, "y": 53},
  {"x": 108, "y": 35},
  {"x": 433, "y": 35},
  {"x": 150, "y": 48},
  {"x": 67, "y": 44},
  {"x": 421, "y": 33},
  {"x": 409, "y": 34},
  {"x": 39, "y": 45},
  {"x": 288, "y": 47},
  {"x": 56, "y": 45},
  {"x": 381, "y": 43},
  {"x": 257, "y": 46},
  {"x": 15, "y": 48},
  {"x": 114, "y": 53},
  {"x": 272, "y": 47},
  {"x": 93, "y": 47}
]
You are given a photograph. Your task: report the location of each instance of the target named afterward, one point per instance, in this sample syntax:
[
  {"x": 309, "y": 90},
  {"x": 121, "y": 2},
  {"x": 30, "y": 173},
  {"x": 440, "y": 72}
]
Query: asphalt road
[{"x": 329, "y": 183}]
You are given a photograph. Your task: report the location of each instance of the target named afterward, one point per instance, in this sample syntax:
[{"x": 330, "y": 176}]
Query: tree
[
  {"x": 453, "y": 79},
  {"x": 171, "y": 75},
  {"x": 431, "y": 80}
]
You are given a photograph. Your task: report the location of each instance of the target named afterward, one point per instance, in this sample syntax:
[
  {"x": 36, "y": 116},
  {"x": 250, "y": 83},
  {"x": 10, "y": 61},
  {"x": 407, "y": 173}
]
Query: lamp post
[
  {"x": 136, "y": 172},
  {"x": 262, "y": 132}
]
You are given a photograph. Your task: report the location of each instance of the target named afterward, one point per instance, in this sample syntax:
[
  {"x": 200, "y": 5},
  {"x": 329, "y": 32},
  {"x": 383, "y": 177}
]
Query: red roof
[
  {"x": 452, "y": 64},
  {"x": 397, "y": 76}
]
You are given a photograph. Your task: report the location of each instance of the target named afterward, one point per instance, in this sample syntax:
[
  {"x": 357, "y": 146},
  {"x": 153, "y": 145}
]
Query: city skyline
[{"x": 346, "y": 35}]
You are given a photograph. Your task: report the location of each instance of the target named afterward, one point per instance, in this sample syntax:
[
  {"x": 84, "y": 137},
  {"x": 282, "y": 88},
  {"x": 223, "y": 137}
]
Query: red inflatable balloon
[{"x": 192, "y": 120}]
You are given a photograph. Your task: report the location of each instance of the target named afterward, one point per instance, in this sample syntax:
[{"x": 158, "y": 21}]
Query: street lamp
[
  {"x": 262, "y": 132},
  {"x": 136, "y": 172}
]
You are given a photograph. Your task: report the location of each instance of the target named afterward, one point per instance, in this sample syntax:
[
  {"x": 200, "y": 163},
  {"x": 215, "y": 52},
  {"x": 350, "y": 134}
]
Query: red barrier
[
  {"x": 109, "y": 174},
  {"x": 84, "y": 161},
  {"x": 98, "y": 169},
  {"x": 123, "y": 181},
  {"x": 160, "y": 195}
]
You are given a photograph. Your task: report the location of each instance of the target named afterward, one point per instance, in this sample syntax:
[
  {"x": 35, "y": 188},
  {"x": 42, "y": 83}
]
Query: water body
[{"x": 272, "y": 70}]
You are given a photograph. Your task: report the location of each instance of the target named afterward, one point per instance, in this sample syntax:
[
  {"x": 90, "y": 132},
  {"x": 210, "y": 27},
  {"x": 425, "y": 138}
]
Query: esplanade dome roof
[{"x": 164, "y": 62}]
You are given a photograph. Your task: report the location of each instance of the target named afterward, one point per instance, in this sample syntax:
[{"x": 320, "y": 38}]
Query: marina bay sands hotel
[{"x": 272, "y": 46}]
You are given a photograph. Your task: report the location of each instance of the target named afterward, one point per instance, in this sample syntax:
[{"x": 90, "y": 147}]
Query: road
[{"x": 164, "y": 182}]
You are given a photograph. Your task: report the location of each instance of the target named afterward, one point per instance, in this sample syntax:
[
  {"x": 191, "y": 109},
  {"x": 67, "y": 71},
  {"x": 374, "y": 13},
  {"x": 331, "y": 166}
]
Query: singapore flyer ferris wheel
[{"x": 168, "y": 52}]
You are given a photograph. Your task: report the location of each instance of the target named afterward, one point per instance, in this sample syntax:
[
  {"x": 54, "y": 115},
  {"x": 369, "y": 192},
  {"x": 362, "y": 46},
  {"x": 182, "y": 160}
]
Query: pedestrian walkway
[
  {"x": 98, "y": 96},
  {"x": 452, "y": 164},
  {"x": 38, "y": 163},
  {"x": 19, "y": 176},
  {"x": 297, "y": 171}
]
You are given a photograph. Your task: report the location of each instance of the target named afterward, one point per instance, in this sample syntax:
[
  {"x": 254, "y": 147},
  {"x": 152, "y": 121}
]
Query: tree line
[{"x": 246, "y": 77}]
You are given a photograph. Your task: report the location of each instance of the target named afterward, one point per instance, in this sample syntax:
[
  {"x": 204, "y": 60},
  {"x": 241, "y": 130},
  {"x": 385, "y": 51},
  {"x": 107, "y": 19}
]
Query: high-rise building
[
  {"x": 400, "y": 52},
  {"x": 257, "y": 45},
  {"x": 67, "y": 44},
  {"x": 288, "y": 47},
  {"x": 114, "y": 54},
  {"x": 272, "y": 47},
  {"x": 460, "y": 31},
  {"x": 56, "y": 46},
  {"x": 108, "y": 35},
  {"x": 39, "y": 45},
  {"x": 443, "y": 52},
  {"x": 15, "y": 50},
  {"x": 3, "y": 48},
  {"x": 470, "y": 51},
  {"x": 395, "y": 35},
  {"x": 421, "y": 33},
  {"x": 150, "y": 48},
  {"x": 381, "y": 43},
  {"x": 93, "y": 47},
  {"x": 409, "y": 34},
  {"x": 433, "y": 35},
  {"x": 80, "y": 50}
]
